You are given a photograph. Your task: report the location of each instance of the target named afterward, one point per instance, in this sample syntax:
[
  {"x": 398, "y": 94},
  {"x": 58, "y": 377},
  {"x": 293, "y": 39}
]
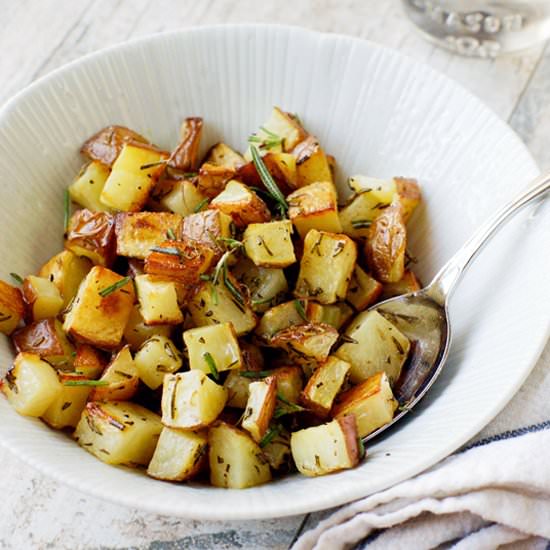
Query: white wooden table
[{"x": 38, "y": 36}]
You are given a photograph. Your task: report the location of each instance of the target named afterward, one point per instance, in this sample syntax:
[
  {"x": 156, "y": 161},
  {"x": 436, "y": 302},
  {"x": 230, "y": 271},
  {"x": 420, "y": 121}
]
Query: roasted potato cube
[
  {"x": 409, "y": 195},
  {"x": 372, "y": 196},
  {"x": 184, "y": 198},
  {"x": 157, "y": 357},
  {"x": 92, "y": 235},
  {"x": 336, "y": 315},
  {"x": 98, "y": 319},
  {"x": 374, "y": 345},
  {"x": 326, "y": 267},
  {"x": 409, "y": 283},
  {"x": 66, "y": 271},
  {"x": 179, "y": 455},
  {"x": 222, "y": 155},
  {"x": 208, "y": 228},
  {"x": 386, "y": 245},
  {"x": 120, "y": 378},
  {"x": 190, "y": 400},
  {"x": 285, "y": 126},
  {"x": 87, "y": 187},
  {"x": 314, "y": 206},
  {"x": 89, "y": 362},
  {"x": 31, "y": 385},
  {"x": 306, "y": 343},
  {"x": 43, "y": 297},
  {"x": 185, "y": 156},
  {"x": 213, "y": 348},
  {"x": 12, "y": 307},
  {"x": 237, "y": 389},
  {"x": 119, "y": 432},
  {"x": 326, "y": 448},
  {"x": 277, "y": 450},
  {"x": 363, "y": 290},
  {"x": 212, "y": 178},
  {"x": 137, "y": 232},
  {"x": 371, "y": 403},
  {"x": 183, "y": 261},
  {"x": 133, "y": 175},
  {"x": 262, "y": 396},
  {"x": 236, "y": 461},
  {"x": 270, "y": 244},
  {"x": 158, "y": 301},
  {"x": 215, "y": 304},
  {"x": 106, "y": 145},
  {"x": 241, "y": 203},
  {"x": 46, "y": 339},
  {"x": 281, "y": 166},
  {"x": 289, "y": 382},
  {"x": 266, "y": 285},
  {"x": 323, "y": 386},
  {"x": 311, "y": 162},
  {"x": 286, "y": 315},
  {"x": 137, "y": 332},
  {"x": 67, "y": 407}
]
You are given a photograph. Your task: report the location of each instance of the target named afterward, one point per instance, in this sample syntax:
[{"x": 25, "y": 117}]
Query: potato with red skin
[
  {"x": 106, "y": 145},
  {"x": 262, "y": 396},
  {"x": 185, "y": 157},
  {"x": 92, "y": 235},
  {"x": 208, "y": 228},
  {"x": 408, "y": 191},
  {"x": 89, "y": 361},
  {"x": 386, "y": 244}
]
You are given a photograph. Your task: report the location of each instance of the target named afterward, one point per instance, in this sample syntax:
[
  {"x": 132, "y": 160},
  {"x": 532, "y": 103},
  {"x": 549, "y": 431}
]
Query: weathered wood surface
[{"x": 39, "y": 35}]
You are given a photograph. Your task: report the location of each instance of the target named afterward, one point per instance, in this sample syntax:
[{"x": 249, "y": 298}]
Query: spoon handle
[{"x": 444, "y": 283}]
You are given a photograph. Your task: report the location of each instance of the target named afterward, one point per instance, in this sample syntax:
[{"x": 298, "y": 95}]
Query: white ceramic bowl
[{"x": 380, "y": 114}]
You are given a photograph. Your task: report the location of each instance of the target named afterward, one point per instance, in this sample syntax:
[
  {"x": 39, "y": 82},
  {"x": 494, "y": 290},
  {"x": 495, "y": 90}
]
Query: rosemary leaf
[
  {"x": 269, "y": 436},
  {"x": 268, "y": 181},
  {"x": 114, "y": 287},
  {"x": 301, "y": 311},
  {"x": 362, "y": 450},
  {"x": 153, "y": 164},
  {"x": 85, "y": 383},
  {"x": 17, "y": 278},
  {"x": 255, "y": 373},
  {"x": 171, "y": 250},
  {"x": 201, "y": 205},
  {"x": 211, "y": 365},
  {"x": 231, "y": 287},
  {"x": 171, "y": 235},
  {"x": 361, "y": 224}
]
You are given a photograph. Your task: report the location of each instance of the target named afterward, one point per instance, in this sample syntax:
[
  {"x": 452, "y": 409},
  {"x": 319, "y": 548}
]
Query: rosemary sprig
[
  {"x": 153, "y": 164},
  {"x": 269, "y": 436},
  {"x": 201, "y": 205},
  {"x": 301, "y": 311},
  {"x": 66, "y": 210},
  {"x": 171, "y": 235},
  {"x": 361, "y": 224},
  {"x": 255, "y": 373},
  {"x": 231, "y": 287},
  {"x": 288, "y": 408},
  {"x": 85, "y": 383},
  {"x": 269, "y": 142},
  {"x": 268, "y": 181},
  {"x": 211, "y": 365},
  {"x": 17, "y": 278},
  {"x": 114, "y": 287}
]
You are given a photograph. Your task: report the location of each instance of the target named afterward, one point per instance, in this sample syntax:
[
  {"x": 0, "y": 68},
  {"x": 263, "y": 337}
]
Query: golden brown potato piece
[
  {"x": 89, "y": 362},
  {"x": 363, "y": 290},
  {"x": 212, "y": 178},
  {"x": 242, "y": 204},
  {"x": 138, "y": 232},
  {"x": 386, "y": 244},
  {"x": 185, "y": 156},
  {"x": 289, "y": 382},
  {"x": 222, "y": 155},
  {"x": 408, "y": 283},
  {"x": 12, "y": 307},
  {"x": 66, "y": 271},
  {"x": 100, "y": 319},
  {"x": 262, "y": 396},
  {"x": 106, "y": 145},
  {"x": 42, "y": 297},
  {"x": 46, "y": 339},
  {"x": 183, "y": 261},
  {"x": 286, "y": 126},
  {"x": 208, "y": 228},
  {"x": 92, "y": 235},
  {"x": 408, "y": 191},
  {"x": 311, "y": 162}
]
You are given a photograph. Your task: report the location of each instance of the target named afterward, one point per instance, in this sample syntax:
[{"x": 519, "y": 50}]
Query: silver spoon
[{"x": 423, "y": 315}]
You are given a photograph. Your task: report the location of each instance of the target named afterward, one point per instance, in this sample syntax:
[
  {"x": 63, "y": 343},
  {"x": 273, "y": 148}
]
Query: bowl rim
[{"x": 322, "y": 501}]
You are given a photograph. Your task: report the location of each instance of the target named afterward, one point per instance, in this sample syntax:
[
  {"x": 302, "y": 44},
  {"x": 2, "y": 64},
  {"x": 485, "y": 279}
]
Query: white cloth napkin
[{"x": 493, "y": 492}]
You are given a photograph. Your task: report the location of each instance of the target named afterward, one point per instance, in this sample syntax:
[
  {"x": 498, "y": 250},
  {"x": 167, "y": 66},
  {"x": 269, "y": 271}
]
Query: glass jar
[{"x": 481, "y": 28}]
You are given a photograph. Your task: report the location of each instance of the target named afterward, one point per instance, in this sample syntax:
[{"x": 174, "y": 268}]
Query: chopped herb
[
  {"x": 201, "y": 205},
  {"x": 269, "y": 182},
  {"x": 231, "y": 287},
  {"x": 381, "y": 205},
  {"x": 262, "y": 301},
  {"x": 114, "y": 287},
  {"x": 231, "y": 243},
  {"x": 172, "y": 250},
  {"x": 340, "y": 245},
  {"x": 269, "y": 436},
  {"x": 171, "y": 235},
  {"x": 204, "y": 277},
  {"x": 211, "y": 365},
  {"x": 17, "y": 278},
  {"x": 269, "y": 142},
  {"x": 264, "y": 244},
  {"x": 361, "y": 224},
  {"x": 85, "y": 383},
  {"x": 362, "y": 450},
  {"x": 153, "y": 164},
  {"x": 301, "y": 311},
  {"x": 348, "y": 339},
  {"x": 255, "y": 373},
  {"x": 410, "y": 259},
  {"x": 288, "y": 407},
  {"x": 66, "y": 210},
  {"x": 190, "y": 174}
]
